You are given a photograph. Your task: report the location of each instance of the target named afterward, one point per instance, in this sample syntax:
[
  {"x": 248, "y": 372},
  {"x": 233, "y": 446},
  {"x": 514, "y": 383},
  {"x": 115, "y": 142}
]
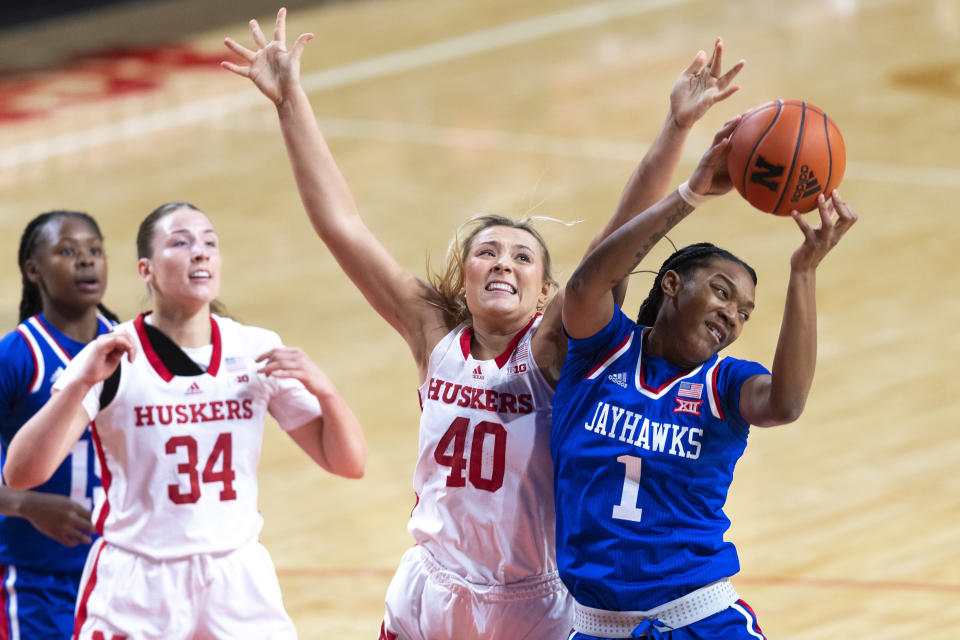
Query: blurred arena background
[{"x": 846, "y": 522}]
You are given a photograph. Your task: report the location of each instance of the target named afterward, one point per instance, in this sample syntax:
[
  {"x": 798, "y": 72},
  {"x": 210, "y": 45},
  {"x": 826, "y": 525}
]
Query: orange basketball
[{"x": 783, "y": 154}]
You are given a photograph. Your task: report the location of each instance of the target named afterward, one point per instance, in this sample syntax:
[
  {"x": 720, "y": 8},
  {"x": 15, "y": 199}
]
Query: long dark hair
[
  {"x": 684, "y": 261},
  {"x": 31, "y": 303}
]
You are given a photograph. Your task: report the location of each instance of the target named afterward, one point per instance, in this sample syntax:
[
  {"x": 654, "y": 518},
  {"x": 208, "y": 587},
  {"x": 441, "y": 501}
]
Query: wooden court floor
[{"x": 847, "y": 522}]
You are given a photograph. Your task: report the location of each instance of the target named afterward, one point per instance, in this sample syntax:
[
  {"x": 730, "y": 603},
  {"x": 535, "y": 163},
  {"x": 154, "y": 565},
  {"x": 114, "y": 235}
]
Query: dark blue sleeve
[
  {"x": 15, "y": 372},
  {"x": 584, "y": 354},
  {"x": 731, "y": 375}
]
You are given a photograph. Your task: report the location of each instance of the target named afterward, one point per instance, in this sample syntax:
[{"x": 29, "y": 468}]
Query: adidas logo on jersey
[
  {"x": 619, "y": 379},
  {"x": 478, "y": 373},
  {"x": 193, "y": 388},
  {"x": 56, "y": 374}
]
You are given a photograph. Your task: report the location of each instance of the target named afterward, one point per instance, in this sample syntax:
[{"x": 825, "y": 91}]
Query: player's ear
[
  {"x": 671, "y": 283},
  {"x": 145, "y": 269},
  {"x": 32, "y": 271}
]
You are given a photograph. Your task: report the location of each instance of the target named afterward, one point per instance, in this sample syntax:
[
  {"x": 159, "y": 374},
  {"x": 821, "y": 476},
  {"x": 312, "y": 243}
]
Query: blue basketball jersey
[
  {"x": 643, "y": 456},
  {"x": 33, "y": 356}
]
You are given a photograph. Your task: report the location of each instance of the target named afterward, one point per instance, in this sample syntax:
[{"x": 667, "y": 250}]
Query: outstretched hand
[
  {"x": 836, "y": 218},
  {"x": 273, "y": 69},
  {"x": 701, "y": 85}
]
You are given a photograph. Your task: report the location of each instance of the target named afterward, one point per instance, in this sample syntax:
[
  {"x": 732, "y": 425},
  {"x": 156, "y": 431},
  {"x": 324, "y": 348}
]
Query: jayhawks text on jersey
[{"x": 643, "y": 457}]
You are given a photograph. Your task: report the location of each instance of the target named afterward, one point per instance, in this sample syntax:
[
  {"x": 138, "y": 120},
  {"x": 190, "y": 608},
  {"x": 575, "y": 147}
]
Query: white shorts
[
  {"x": 428, "y": 602},
  {"x": 233, "y": 595}
]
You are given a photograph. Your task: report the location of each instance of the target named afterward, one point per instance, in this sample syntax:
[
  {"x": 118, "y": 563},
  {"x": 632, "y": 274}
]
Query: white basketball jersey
[
  {"x": 484, "y": 475},
  {"x": 179, "y": 454}
]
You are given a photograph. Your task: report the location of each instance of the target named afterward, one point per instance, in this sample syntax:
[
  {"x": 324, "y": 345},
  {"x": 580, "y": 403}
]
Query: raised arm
[
  {"x": 397, "y": 295},
  {"x": 589, "y": 294},
  {"x": 44, "y": 441},
  {"x": 334, "y": 440},
  {"x": 779, "y": 398},
  {"x": 701, "y": 85},
  {"x": 698, "y": 87}
]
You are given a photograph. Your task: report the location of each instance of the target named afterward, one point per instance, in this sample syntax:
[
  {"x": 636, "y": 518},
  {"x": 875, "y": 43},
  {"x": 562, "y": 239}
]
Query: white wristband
[{"x": 691, "y": 198}]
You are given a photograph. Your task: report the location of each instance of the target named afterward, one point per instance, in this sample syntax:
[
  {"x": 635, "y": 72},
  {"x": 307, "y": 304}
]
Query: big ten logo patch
[{"x": 98, "y": 76}]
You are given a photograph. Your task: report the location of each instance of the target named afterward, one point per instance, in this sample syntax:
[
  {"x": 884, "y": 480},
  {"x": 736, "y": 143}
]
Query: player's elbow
[
  {"x": 354, "y": 470},
  {"x": 784, "y": 413},
  {"x": 20, "y": 477}
]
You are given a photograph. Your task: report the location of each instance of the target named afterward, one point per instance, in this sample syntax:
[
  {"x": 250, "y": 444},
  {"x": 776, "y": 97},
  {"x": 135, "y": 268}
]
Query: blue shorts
[
  {"x": 736, "y": 622},
  {"x": 37, "y": 605}
]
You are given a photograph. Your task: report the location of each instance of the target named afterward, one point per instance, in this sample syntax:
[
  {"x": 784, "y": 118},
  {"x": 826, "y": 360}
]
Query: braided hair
[
  {"x": 684, "y": 261},
  {"x": 31, "y": 302}
]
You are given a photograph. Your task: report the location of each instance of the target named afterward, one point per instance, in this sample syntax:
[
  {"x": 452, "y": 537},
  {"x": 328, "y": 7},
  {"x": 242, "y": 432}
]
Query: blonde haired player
[
  {"x": 488, "y": 347},
  {"x": 177, "y": 398}
]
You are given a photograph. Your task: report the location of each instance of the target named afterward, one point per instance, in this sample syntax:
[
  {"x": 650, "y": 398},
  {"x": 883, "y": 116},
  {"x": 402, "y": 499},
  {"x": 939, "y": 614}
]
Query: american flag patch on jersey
[
  {"x": 690, "y": 390},
  {"x": 234, "y": 364}
]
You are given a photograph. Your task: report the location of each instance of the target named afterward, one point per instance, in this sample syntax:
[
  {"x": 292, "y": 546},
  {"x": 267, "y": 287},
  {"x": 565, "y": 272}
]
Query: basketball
[{"x": 783, "y": 154}]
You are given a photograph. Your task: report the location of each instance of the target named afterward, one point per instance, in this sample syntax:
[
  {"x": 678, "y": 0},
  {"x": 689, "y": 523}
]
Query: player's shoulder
[
  {"x": 249, "y": 337},
  {"x": 13, "y": 342}
]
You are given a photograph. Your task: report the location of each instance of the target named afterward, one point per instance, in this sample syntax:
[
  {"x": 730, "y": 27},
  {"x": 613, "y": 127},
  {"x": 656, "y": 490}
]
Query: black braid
[
  {"x": 31, "y": 302},
  {"x": 684, "y": 262}
]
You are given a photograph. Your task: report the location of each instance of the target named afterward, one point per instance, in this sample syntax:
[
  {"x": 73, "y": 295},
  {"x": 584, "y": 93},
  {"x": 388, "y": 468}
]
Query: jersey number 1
[
  {"x": 627, "y": 509},
  {"x": 455, "y": 438}
]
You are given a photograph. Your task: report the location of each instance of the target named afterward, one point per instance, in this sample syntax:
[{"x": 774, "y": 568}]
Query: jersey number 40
[{"x": 450, "y": 452}]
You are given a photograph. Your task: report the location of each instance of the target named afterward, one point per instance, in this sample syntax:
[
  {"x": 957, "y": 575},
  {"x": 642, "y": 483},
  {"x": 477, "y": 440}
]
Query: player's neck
[
  {"x": 186, "y": 329},
  {"x": 80, "y": 325},
  {"x": 489, "y": 342}
]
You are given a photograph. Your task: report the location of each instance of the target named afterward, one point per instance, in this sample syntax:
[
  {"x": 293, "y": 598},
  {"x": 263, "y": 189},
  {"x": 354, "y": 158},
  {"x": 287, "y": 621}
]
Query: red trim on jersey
[
  {"x": 33, "y": 356},
  {"x": 467, "y": 336},
  {"x": 4, "y": 604},
  {"x": 105, "y": 478},
  {"x": 505, "y": 356},
  {"x": 87, "y": 590},
  {"x": 49, "y": 330},
  {"x": 756, "y": 623},
  {"x": 154, "y": 359},
  {"x": 603, "y": 361},
  {"x": 716, "y": 394},
  {"x": 665, "y": 384},
  {"x": 214, "y": 366}
]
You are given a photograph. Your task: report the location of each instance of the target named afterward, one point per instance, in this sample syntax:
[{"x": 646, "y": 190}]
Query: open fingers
[
  {"x": 258, "y": 37},
  {"x": 300, "y": 44},
  {"x": 697, "y": 65},
  {"x": 846, "y": 216},
  {"x": 280, "y": 29},
  {"x": 240, "y": 71},
  {"x": 724, "y": 81},
  {"x": 715, "y": 59},
  {"x": 804, "y": 227},
  {"x": 238, "y": 49}
]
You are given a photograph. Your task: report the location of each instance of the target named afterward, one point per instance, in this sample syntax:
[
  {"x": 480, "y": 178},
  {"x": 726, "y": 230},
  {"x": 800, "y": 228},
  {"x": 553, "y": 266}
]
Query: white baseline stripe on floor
[
  {"x": 514, "y": 142},
  {"x": 458, "y": 47}
]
